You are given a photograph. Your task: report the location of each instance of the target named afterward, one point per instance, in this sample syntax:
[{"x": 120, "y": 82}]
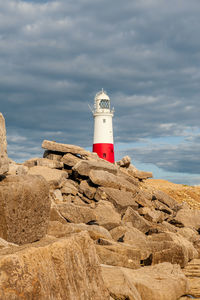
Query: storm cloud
[{"x": 56, "y": 55}]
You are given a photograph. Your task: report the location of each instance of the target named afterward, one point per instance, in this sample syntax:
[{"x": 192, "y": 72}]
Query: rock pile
[{"x": 107, "y": 237}]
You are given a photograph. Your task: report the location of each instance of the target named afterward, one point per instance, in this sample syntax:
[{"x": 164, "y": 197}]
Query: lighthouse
[{"x": 103, "y": 143}]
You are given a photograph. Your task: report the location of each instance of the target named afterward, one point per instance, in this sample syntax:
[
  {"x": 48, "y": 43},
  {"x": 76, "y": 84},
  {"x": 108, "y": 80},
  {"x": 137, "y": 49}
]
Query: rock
[
  {"x": 43, "y": 162},
  {"x": 55, "y": 215},
  {"x": 133, "y": 237},
  {"x": 136, "y": 220},
  {"x": 166, "y": 199},
  {"x": 16, "y": 169},
  {"x": 69, "y": 188},
  {"x": 70, "y": 159},
  {"x": 58, "y": 195},
  {"x": 161, "y": 282},
  {"x": 162, "y": 207},
  {"x": 118, "y": 254},
  {"x": 151, "y": 215},
  {"x": 24, "y": 208},
  {"x": 141, "y": 175},
  {"x": 53, "y": 177},
  {"x": 53, "y": 155},
  {"x": 84, "y": 167},
  {"x": 76, "y": 214},
  {"x": 106, "y": 179},
  {"x": 119, "y": 198},
  {"x": 70, "y": 199},
  {"x": 188, "y": 218},
  {"x": 189, "y": 234},
  {"x": 106, "y": 215},
  {"x": 60, "y": 230},
  {"x": 53, "y": 269},
  {"x": 172, "y": 248},
  {"x": 143, "y": 198},
  {"x": 192, "y": 272},
  {"x": 5, "y": 244},
  {"x": 124, "y": 162},
  {"x": 4, "y": 162},
  {"x": 86, "y": 189},
  {"x": 64, "y": 148}
]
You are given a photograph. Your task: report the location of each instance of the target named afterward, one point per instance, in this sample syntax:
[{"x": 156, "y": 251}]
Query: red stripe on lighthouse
[{"x": 105, "y": 151}]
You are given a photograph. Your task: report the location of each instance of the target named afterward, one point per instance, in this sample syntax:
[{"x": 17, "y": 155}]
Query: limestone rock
[
  {"x": 53, "y": 177},
  {"x": 119, "y": 198},
  {"x": 161, "y": 282},
  {"x": 87, "y": 190},
  {"x": 58, "y": 230},
  {"x": 192, "y": 272},
  {"x": 133, "y": 237},
  {"x": 118, "y": 254},
  {"x": 64, "y": 148},
  {"x": 64, "y": 269},
  {"x": 76, "y": 214},
  {"x": 136, "y": 220},
  {"x": 166, "y": 199},
  {"x": 17, "y": 169},
  {"x": 189, "y": 218},
  {"x": 58, "y": 195},
  {"x": 124, "y": 162},
  {"x": 151, "y": 215},
  {"x": 24, "y": 208},
  {"x": 106, "y": 179},
  {"x": 106, "y": 215},
  {"x": 69, "y": 188},
  {"x": 70, "y": 159},
  {"x": 53, "y": 155},
  {"x": 85, "y": 166},
  {"x": 4, "y": 162}
]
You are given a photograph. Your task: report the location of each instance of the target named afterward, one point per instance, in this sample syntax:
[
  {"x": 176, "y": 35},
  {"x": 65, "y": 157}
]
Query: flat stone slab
[{"x": 64, "y": 148}]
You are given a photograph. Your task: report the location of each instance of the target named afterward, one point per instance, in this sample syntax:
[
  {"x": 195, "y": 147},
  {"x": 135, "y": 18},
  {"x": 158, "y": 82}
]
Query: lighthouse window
[
  {"x": 104, "y": 103},
  {"x": 104, "y": 155},
  {"x": 104, "y": 120}
]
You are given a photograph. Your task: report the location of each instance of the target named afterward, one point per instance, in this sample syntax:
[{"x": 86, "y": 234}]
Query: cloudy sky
[{"x": 56, "y": 55}]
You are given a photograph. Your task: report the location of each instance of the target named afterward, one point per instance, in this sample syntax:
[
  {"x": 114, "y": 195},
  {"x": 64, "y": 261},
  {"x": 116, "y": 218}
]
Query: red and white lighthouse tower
[{"x": 103, "y": 143}]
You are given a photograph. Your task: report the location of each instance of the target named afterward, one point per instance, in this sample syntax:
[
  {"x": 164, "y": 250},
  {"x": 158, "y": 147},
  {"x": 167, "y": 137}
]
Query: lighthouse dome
[{"x": 102, "y": 95}]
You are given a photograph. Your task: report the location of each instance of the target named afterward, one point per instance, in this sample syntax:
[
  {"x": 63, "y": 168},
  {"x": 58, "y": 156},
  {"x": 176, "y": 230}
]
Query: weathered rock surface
[
  {"x": 24, "y": 208},
  {"x": 59, "y": 230},
  {"x": 106, "y": 215},
  {"x": 64, "y": 148},
  {"x": 87, "y": 190},
  {"x": 188, "y": 218},
  {"x": 76, "y": 214},
  {"x": 4, "y": 162},
  {"x": 53, "y": 177},
  {"x": 161, "y": 282},
  {"x": 65, "y": 269},
  {"x": 85, "y": 166},
  {"x": 192, "y": 272},
  {"x": 106, "y": 179},
  {"x": 70, "y": 159},
  {"x": 136, "y": 220}
]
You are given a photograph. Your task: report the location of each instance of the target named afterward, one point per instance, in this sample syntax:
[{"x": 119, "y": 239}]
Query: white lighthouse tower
[{"x": 103, "y": 143}]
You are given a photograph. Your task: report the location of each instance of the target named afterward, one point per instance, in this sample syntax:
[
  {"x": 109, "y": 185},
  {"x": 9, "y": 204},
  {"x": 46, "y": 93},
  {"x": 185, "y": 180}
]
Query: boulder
[
  {"x": 124, "y": 162},
  {"x": 136, "y": 220},
  {"x": 161, "y": 282},
  {"x": 188, "y": 218},
  {"x": 24, "y": 208},
  {"x": 57, "y": 195},
  {"x": 53, "y": 155},
  {"x": 106, "y": 215},
  {"x": 53, "y": 177},
  {"x": 119, "y": 198},
  {"x": 70, "y": 159},
  {"x": 4, "y": 162},
  {"x": 44, "y": 162},
  {"x": 64, "y": 148},
  {"x": 151, "y": 215},
  {"x": 96, "y": 232},
  {"x": 64, "y": 269},
  {"x": 86, "y": 189},
  {"x": 17, "y": 169},
  {"x": 133, "y": 237},
  {"x": 192, "y": 272},
  {"x": 166, "y": 199},
  {"x": 118, "y": 254},
  {"x": 106, "y": 179},
  {"x": 69, "y": 187},
  {"x": 76, "y": 214},
  {"x": 84, "y": 167}
]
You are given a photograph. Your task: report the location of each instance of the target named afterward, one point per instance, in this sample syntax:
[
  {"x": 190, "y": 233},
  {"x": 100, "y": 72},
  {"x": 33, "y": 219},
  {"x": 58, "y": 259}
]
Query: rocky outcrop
[
  {"x": 4, "y": 163},
  {"x": 163, "y": 281},
  {"x": 24, "y": 208},
  {"x": 53, "y": 269}
]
